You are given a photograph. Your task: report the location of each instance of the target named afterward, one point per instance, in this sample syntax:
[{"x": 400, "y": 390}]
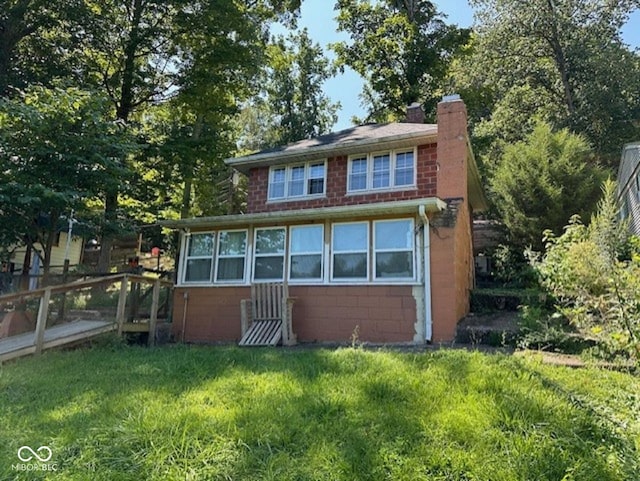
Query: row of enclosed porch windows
[{"x": 221, "y": 256}]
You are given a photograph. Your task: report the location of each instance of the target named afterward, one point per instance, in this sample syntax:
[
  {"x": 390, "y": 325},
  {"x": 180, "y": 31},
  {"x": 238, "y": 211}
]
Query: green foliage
[
  {"x": 124, "y": 413},
  {"x": 562, "y": 61},
  {"x": 594, "y": 273},
  {"x": 541, "y": 181},
  {"x": 401, "y": 49},
  {"x": 511, "y": 269},
  {"x": 57, "y": 152},
  {"x": 291, "y": 105}
]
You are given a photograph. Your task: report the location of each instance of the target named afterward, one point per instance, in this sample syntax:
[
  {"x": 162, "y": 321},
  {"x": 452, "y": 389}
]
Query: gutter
[
  {"x": 426, "y": 257},
  {"x": 430, "y": 204}
]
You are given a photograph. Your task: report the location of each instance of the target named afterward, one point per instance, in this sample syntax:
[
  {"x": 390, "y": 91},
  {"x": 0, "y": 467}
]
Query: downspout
[{"x": 426, "y": 257}]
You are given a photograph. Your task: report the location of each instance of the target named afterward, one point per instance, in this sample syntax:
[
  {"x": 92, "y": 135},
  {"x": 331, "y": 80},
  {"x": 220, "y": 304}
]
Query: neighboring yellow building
[{"x": 57, "y": 254}]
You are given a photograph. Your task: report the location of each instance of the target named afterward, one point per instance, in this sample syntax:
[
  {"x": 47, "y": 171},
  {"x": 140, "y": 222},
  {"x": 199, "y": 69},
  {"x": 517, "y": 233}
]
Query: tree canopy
[{"x": 402, "y": 49}]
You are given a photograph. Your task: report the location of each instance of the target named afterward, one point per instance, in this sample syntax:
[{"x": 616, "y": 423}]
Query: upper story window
[
  {"x": 297, "y": 181},
  {"x": 383, "y": 170}
]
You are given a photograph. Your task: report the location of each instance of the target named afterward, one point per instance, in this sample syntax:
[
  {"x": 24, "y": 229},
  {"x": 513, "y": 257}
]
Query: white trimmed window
[
  {"x": 232, "y": 250},
  {"x": 358, "y": 173},
  {"x": 350, "y": 251},
  {"x": 268, "y": 261},
  {"x": 306, "y": 245},
  {"x": 393, "y": 249},
  {"x": 198, "y": 265},
  {"x": 383, "y": 170},
  {"x": 297, "y": 181}
]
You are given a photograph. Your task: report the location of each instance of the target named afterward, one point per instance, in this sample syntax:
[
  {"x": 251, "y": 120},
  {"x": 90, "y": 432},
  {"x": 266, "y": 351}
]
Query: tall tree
[
  {"x": 58, "y": 150},
  {"x": 291, "y": 105},
  {"x": 402, "y": 48},
  {"x": 561, "y": 60}
]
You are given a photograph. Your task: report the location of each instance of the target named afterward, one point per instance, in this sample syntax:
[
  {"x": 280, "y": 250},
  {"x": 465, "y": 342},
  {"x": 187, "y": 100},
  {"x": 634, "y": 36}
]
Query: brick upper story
[{"x": 336, "y": 186}]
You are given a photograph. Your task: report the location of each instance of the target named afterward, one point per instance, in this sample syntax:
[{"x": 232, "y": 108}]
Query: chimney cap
[{"x": 450, "y": 98}]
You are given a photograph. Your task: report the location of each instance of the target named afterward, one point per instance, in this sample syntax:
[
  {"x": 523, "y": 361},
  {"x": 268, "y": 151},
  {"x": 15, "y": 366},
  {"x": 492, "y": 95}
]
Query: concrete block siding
[{"x": 320, "y": 313}]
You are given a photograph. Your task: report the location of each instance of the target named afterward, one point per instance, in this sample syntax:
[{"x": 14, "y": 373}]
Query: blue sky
[{"x": 318, "y": 17}]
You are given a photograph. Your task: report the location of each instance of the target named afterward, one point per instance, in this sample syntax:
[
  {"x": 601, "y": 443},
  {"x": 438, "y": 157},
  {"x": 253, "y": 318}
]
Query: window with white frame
[
  {"x": 350, "y": 251},
  {"x": 232, "y": 250},
  {"x": 393, "y": 249},
  {"x": 198, "y": 265},
  {"x": 358, "y": 173},
  {"x": 384, "y": 170},
  {"x": 268, "y": 262},
  {"x": 297, "y": 181},
  {"x": 306, "y": 245}
]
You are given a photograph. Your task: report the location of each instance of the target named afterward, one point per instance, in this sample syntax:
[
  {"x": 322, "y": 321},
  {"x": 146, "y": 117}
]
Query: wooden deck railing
[{"x": 123, "y": 323}]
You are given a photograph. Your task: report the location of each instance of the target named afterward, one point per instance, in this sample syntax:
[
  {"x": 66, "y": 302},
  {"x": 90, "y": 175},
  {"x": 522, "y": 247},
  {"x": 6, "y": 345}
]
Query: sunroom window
[
  {"x": 199, "y": 257},
  {"x": 305, "y": 249},
  {"x": 232, "y": 249},
  {"x": 350, "y": 247},
  {"x": 393, "y": 249},
  {"x": 269, "y": 254}
]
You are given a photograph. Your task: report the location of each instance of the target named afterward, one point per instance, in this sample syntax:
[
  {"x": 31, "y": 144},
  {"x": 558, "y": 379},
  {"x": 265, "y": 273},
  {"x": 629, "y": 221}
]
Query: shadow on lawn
[{"x": 230, "y": 413}]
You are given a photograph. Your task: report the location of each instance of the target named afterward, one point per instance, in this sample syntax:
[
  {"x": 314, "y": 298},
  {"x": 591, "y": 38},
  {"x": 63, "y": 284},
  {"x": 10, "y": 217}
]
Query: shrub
[{"x": 593, "y": 272}]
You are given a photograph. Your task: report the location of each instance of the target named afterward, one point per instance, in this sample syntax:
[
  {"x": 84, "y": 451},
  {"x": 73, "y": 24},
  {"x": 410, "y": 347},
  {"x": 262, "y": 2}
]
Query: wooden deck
[{"x": 25, "y": 344}]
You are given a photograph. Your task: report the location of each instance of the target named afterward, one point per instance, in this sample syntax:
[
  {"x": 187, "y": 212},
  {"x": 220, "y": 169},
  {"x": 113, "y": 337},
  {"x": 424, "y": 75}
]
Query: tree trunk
[{"x": 106, "y": 238}]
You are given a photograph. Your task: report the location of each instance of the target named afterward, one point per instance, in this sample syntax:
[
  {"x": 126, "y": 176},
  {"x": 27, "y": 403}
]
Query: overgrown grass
[{"x": 201, "y": 413}]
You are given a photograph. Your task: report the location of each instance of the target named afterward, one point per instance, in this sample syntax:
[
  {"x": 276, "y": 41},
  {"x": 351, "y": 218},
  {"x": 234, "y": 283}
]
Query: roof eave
[
  {"x": 431, "y": 204},
  {"x": 246, "y": 163}
]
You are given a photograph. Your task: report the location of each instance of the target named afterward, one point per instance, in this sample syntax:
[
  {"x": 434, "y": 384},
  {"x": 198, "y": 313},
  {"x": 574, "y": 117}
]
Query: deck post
[
  {"x": 122, "y": 303},
  {"x": 41, "y": 324},
  {"x": 153, "y": 319}
]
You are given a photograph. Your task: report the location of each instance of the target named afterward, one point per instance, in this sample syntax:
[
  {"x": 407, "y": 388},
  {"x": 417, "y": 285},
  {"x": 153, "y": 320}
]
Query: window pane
[
  {"x": 350, "y": 266},
  {"x": 269, "y": 267},
  {"x": 198, "y": 270},
  {"x": 381, "y": 171},
  {"x": 276, "y": 184},
  {"x": 358, "y": 175},
  {"x": 231, "y": 269},
  {"x": 200, "y": 245},
  {"x": 394, "y": 264},
  {"x": 396, "y": 234},
  {"x": 296, "y": 183},
  {"x": 306, "y": 239},
  {"x": 316, "y": 186},
  {"x": 306, "y": 267},
  {"x": 233, "y": 243},
  {"x": 350, "y": 237},
  {"x": 316, "y": 171},
  {"x": 270, "y": 241},
  {"x": 404, "y": 168}
]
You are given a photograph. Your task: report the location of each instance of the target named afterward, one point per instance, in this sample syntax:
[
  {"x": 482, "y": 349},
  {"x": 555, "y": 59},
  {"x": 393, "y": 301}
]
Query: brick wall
[
  {"x": 320, "y": 313},
  {"x": 336, "y": 188}
]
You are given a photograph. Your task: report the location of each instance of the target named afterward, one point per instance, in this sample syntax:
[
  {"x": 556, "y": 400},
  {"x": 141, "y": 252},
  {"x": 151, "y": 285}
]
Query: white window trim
[
  {"x": 288, "y": 169},
  {"x": 375, "y": 251},
  {"x": 185, "y": 258},
  {"x": 218, "y": 256},
  {"x": 392, "y": 171},
  {"x": 349, "y": 280},
  {"x": 256, "y": 255},
  {"x": 308, "y": 253}
]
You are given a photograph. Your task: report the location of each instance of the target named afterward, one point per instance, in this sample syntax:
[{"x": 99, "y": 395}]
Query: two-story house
[{"x": 369, "y": 226}]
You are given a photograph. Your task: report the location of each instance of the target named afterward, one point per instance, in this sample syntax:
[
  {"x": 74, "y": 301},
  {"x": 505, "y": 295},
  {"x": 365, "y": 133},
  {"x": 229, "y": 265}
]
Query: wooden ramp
[
  {"x": 263, "y": 333},
  {"x": 56, "y": 336}
]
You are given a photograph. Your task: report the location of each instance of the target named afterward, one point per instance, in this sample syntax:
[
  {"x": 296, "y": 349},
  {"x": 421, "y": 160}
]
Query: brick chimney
[
  {"x": 415, "y": 114},
  {"x": 452, "y": 148}
]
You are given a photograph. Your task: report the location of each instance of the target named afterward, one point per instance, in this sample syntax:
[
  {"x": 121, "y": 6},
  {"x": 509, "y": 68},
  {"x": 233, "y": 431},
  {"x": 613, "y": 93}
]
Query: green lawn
[{"x": 200, "y": 413}]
